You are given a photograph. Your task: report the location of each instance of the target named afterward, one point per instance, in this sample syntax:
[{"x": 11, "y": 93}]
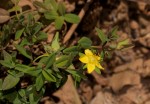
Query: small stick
[{"x": 74, "y": 26}]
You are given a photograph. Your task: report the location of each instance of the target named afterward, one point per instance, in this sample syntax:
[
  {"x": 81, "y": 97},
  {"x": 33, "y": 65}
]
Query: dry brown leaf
[
  {"x": 136, "y": 94},
  {"x": 100, "y": 79},
  {"x": 139, "y": 66},
  {"x": 125, "y": 100},
  {"x": 4, "y": 15},
  {"x": 121, "y": 79},
  {"x": 147, "y": 102},
  {"x": 104, "y": 98},
  {"x": 87, "y": 91},
  {"x": 68, "y": 93}
]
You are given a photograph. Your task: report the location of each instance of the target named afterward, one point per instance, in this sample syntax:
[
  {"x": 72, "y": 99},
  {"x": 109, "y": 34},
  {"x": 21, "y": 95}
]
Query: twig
[{"x": 74, "y": 26}]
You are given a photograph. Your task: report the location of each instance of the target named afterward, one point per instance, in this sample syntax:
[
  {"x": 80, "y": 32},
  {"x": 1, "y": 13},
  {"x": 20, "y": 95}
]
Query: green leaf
[
  {"x": 48, "y": 49},
  {"x": 50, "y": 60},
  {"x": 63, "y": 61},
  {"x": 31, "y": 99},
  {"x": 14, "y": 54},
  {"x": 17, "y": 100},
  {"x": 97, "y": 70},
  {"x": 76, "y": 73},
  {"x": 19, "y": 33},
  {"x": 81, "y": 54},
  {"x": 43, "y": 60},
  {"x": 48, "y": 76},
  {"x": 10, "y": 82},
  {"x": 124, "y": 44},
  {"x": 55, "y": 43},
  {"x": 25, "y": 42},
  {"x": 11, "y": 96},
  {"x": 114, "y": 35},
  {"x": 7, "y": 56},
  {"x": 30, "y": 19},
  {"x": 40, "y": 4},
  {"x": 36, "y": 28},
  {"x": 34, "y": 72},
  {"x": 39, "y": 82},
  {"x": 113, "y": 46},
  {"x": 7, "y": 64},
  {"x": 85, "y": 42},
  {"x": 33, "y": 95},
  {"x": 102, "y": 55},
  {"x": 15, "y": 73},
  {"x": 23, "y": 68},
  {"x": 51, "y": 15},
  {"x": 73, "y": 49},
  {"x": 26, "y": 69},
  {"x": 22, "y": 92},
  {"x": 71, "y": 18},
  {"x": 1, "y": 82},
  {"x": 42, "y": 35},
  {"x": 61, "y": 8},
  {"x": 19, "y": 74},
  {"x": 23, "y": 51},
  {"x": 53, "y": 4},
  {"x": 102, "y": 36},
  {"x": 59, "y": 22},
  {"x": 51, "y": 74},
  {"x": 8, "y": 60},
  {"x": 43, "y": 55}
]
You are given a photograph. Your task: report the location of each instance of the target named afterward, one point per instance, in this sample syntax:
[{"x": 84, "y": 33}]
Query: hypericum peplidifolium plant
[{"x": 28, "y": 64}]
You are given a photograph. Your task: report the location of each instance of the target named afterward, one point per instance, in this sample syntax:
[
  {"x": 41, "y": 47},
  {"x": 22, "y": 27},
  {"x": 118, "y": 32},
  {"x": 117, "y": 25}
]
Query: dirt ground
[{"x": 126, "y": 78}]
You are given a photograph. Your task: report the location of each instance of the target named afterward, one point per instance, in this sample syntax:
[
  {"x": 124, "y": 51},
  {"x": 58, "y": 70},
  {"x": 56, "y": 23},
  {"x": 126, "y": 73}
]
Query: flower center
[{"x": 92, "y": 59}]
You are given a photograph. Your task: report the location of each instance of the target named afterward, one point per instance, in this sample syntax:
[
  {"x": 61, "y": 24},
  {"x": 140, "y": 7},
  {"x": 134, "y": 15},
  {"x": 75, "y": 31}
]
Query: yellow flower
[{"x": 91, "y": 60}]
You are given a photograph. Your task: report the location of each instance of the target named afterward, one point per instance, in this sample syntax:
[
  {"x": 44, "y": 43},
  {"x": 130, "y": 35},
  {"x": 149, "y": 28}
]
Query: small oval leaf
[
  {"x": 19, "y": 33},
  {"x": 61, "y": 8},
  {"x": 39, "y": 82},
  {"x": 24, "y": 52},
  {"x": 71, "y": 18},
  {"x": 51, "y": 15},
  {"x": 49, "y": 77},
  {"x": 73, "y": 49},
  {"x": 51, "y": 60},
  {"x": 55, "y": 43},
  {"x": 59, "y": 22},
  {"x": 102, "y": 36},
  {"x": 10, "y": 82},
  {"x": 85, "y": 42}
]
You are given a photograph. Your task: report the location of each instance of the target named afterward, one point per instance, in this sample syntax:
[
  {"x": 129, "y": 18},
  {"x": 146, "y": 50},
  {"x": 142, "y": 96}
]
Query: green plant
[{"x": 22, "y": 35}]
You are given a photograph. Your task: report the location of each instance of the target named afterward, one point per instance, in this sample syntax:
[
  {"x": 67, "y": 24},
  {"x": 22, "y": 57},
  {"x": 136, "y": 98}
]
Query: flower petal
[
  {"x": 88, "y": 52},
  {"x": 84, "y": 59},
  {"x": 90, "y": 67},
  {"x": 99, "y": 66},
  {"x": 98, "y": 57}
]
